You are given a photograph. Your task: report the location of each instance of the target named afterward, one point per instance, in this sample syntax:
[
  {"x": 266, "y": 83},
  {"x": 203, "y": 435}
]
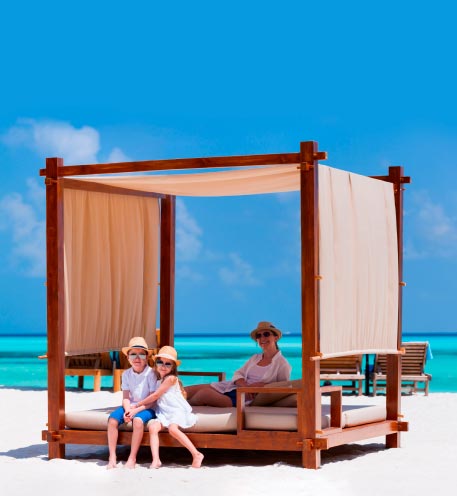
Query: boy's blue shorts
[{"x": 145, "y": 415}]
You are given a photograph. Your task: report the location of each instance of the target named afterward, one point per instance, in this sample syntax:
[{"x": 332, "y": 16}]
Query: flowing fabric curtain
[
  {"x": 358, "y": 262},
  {"x": 111, "y": 249}
]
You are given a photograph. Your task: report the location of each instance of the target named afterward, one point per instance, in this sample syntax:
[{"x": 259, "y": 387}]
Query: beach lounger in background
[
  {"x": 412, "y": 369},
  {"x": 94, "y": 364},
  {"x": 345, "y": 368}
]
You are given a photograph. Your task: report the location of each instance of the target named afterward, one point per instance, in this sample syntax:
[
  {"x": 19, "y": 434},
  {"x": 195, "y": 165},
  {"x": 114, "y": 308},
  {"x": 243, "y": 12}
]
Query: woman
[{"x": 262, "y": 368}]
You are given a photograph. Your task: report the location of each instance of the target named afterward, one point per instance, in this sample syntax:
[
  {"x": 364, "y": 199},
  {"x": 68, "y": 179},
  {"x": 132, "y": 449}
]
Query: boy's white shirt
[{"x": 139, "y": 385}]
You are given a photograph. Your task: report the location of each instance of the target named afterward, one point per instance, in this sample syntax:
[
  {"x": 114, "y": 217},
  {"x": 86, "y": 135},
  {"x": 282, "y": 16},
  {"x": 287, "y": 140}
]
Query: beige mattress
[{"x": 212, "y": 419}]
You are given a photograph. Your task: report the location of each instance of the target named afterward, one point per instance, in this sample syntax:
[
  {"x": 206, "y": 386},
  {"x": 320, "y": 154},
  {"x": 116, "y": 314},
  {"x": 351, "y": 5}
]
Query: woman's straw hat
[
  {"x": 266, "y": 326},
  {"x": 137, "y": 342},
  {"x": 168, "y": 352}
]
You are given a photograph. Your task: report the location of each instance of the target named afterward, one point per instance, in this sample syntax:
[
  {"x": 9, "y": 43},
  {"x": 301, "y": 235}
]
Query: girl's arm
[{"x": 153, "y": 397}]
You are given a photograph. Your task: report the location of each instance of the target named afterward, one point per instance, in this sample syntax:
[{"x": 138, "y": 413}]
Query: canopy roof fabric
[{"x": 245, "y": 181}]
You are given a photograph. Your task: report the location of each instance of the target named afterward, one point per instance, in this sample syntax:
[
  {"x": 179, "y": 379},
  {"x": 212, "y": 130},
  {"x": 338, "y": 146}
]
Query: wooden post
[
  {"x": 310, "y": 418},
  {"x": 393, "y": 381},
  {"x": 167, "y": 269},
  {"x": 55, "y": 305}
]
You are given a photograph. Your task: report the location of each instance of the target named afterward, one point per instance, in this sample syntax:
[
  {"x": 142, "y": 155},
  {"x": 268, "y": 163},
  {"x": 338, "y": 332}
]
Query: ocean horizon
[{"x": 210, "y": 351}]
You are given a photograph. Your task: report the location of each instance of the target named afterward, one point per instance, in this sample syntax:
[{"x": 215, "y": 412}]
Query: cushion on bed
[{"x": 213, "y": 419}]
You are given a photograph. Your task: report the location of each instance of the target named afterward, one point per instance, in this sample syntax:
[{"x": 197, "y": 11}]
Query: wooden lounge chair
[
  {"x": 94, "y": 364},
  {"x": 345, "y": 368},
  {"x": 412, "y": 369}
]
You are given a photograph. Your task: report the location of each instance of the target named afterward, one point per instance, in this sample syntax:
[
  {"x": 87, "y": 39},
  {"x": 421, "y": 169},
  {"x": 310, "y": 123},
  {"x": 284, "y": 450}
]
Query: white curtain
[
  {"x": 111, "y": 245},
  {"x": 358, "y": 292}
]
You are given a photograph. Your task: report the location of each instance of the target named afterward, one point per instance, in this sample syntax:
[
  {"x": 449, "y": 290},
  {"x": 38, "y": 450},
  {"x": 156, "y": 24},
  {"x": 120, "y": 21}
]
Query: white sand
[{"x": 425, "y": 465}]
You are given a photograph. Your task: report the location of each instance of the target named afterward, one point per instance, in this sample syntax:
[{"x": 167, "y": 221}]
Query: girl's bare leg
[
  {"x": 137, "y": 435},
  {"x": 197, "y": 457},
  {"x": 154, "y": 429},
  {"x": 112, "y": 442}
]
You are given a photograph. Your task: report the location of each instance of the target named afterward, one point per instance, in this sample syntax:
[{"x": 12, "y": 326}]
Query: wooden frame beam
[
  {"x": 55, "y": 304},
  {"x": 309, "y": 405},
  {"x": 178, "y": 164},
  {"x": 167, "y": 269}
]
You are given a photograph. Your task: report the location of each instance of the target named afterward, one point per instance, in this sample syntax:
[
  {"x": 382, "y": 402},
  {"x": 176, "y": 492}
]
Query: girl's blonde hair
[{"x": 173, "y": 371}]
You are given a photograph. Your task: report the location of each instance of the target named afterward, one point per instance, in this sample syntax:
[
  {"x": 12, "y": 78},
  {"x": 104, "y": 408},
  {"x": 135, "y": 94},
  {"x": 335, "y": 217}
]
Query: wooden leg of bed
[
  {"x": 311, "y": 458},
  {"x": 393, "y": 440},
  {"x": 80, "y": 381},
  {"x": 56, "y": 450}
]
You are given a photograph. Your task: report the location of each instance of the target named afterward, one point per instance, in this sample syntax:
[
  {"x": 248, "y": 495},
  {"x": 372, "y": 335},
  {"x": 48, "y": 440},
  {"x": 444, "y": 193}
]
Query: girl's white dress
[{"x": 172, "y": 408}]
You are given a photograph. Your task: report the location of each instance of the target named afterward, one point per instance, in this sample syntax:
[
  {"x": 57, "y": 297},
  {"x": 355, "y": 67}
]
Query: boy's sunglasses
[
  {"x": 265, "y": 334},
  {"x": 141, "y": 356},
  {"x": 165, "y": 364}
]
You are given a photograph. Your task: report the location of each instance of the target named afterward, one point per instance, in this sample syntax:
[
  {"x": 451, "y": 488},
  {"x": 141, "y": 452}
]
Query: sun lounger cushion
[{"x": 213, "y": 419}]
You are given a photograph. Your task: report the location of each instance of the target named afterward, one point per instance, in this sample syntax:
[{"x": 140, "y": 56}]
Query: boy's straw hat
[
  {"x": 168, "y": 352},
  {"x": 266, "y": 326},
  {"x": 137, "y": 342}
]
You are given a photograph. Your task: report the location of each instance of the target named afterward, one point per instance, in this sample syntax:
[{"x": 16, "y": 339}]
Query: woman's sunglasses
[
  {"x": 165, "y": 364},
  {"x": 265, "y": 334}
]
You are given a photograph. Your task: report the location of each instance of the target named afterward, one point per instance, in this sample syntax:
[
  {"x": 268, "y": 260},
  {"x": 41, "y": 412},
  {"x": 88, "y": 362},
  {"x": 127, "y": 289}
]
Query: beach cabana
[{"x": 111, "y": 242}]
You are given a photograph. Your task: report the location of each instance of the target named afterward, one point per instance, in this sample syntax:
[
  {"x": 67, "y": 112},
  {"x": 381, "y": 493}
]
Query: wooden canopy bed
[{"x": 78, "y": 304}]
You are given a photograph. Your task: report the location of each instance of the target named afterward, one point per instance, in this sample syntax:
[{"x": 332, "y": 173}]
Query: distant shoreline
[{"x": 237, "y": 334}]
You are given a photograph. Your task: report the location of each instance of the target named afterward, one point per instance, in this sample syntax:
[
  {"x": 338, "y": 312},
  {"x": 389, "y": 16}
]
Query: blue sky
[{"x": 372, "y": 82}]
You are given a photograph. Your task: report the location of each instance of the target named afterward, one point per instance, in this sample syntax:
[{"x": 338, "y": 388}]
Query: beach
[{"x": 424, "y": 465}]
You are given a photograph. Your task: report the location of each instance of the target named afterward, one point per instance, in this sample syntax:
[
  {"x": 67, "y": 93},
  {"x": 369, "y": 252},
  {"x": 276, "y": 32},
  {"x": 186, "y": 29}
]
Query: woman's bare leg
[
  {"x": 192, "y": 390},
  {"x": 209, "y": 396},
  {"x": 154, "y": 429},
  {"x": 197, "y": 457}
]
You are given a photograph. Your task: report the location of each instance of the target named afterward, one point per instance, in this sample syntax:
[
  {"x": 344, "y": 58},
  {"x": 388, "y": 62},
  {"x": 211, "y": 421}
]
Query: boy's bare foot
[
  {"x": 130, "y": 464},
  {"x": 156, "y": 464},
  {"x": 197, "y": 460},
  {"x": 111, "y": 464}
]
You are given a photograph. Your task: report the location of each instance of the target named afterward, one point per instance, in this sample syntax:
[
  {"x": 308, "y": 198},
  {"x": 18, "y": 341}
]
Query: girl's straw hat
[
  {"x": 168, "y": 352},
  {"x": 266, "y": 326},
  {"x": 137, "y": 342}
]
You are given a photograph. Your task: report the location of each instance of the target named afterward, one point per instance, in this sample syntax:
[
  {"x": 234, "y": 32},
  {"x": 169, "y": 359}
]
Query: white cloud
[
  {"x": 239, "y": 273},
  {"x": 28, "y": 231},
  {"x": 188, "y": 233},
  {"x": 117, "y": 155},
  {"x": 432, "y": 228},
  {"x": 55, "y": 138}
]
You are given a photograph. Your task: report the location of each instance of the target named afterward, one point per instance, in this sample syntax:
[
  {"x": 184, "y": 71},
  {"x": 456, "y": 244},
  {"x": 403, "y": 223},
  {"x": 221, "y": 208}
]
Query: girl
[{"x": 172, "y": 409}]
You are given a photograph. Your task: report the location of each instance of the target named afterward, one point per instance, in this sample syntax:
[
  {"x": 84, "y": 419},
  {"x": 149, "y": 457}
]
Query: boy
[{"x": 138, "y": 382}]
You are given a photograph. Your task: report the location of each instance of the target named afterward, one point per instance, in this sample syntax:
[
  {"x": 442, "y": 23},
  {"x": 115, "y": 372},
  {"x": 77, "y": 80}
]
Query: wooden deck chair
[
  {"x": 345, "y": 368},
  {"x": 412, "y": 369},
  {"x": 94, "y": 364}
]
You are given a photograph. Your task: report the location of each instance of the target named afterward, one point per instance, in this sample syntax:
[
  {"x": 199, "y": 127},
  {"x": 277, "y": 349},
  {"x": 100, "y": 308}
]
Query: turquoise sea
[{"x": 20, "y": 367}]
